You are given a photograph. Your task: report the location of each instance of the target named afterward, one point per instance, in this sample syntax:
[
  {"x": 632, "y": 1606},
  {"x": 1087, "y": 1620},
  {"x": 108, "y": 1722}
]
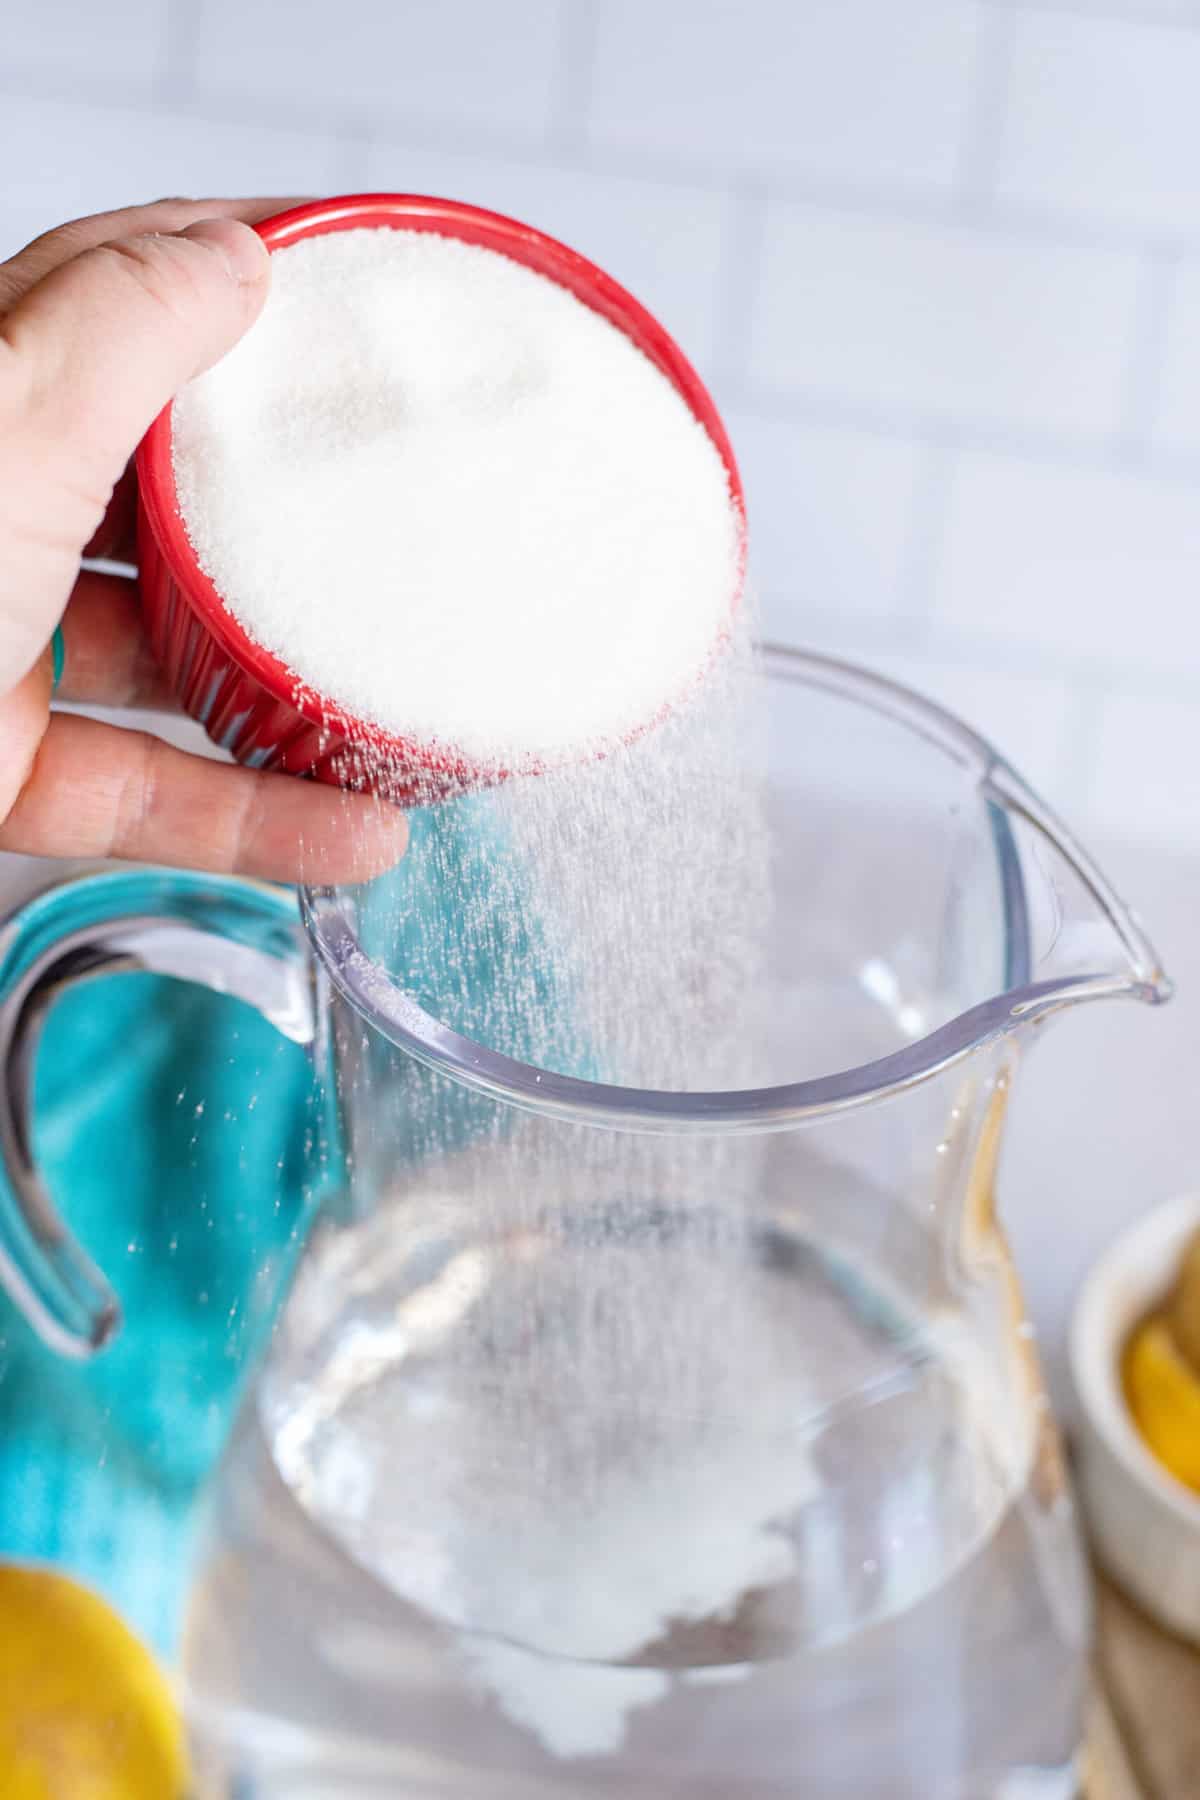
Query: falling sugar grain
[{"x": 459, "y": 503}]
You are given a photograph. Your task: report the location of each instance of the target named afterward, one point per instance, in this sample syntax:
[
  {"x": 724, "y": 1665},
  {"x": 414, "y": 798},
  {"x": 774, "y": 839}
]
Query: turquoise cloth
[
  {"x": 173, "y": 1127},
  {"x": 177, "y": 1132}
]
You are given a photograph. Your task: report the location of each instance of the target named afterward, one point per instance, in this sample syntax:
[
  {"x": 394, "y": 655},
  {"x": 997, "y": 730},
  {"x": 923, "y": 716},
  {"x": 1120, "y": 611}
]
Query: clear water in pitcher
[{"x": 801, "y": 1552}]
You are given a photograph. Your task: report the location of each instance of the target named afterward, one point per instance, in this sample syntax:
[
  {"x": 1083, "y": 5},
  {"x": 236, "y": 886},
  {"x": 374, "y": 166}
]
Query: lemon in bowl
[{"x": 1137, "y": 1406}]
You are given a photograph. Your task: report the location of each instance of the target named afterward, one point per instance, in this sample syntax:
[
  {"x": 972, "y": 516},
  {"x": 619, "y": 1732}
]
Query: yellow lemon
[
  {"x": 1183, "y": 1310},
  {"x": 1163, "y": 1391},
  {"x": 85, "y": 1712}
]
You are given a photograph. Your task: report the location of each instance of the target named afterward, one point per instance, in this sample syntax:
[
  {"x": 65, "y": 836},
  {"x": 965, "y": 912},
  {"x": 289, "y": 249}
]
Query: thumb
[
  {"x": 88, "y": 358},
  {"x": 108, "y": 338}
]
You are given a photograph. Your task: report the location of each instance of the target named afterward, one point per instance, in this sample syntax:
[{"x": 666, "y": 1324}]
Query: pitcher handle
[{"x": 234, "y": 936}]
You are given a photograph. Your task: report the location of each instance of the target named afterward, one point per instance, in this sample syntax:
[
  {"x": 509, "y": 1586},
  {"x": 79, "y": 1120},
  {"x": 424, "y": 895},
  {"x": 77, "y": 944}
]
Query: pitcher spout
[{"x": 1072, "y": 937}]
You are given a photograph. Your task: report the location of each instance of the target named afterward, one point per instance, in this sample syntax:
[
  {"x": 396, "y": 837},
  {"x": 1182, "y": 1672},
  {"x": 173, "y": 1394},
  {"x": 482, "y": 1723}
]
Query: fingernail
[{"x": 242, "y": 248}]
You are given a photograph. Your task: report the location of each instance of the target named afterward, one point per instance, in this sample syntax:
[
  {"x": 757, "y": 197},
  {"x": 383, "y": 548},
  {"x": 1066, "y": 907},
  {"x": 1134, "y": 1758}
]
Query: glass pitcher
[{"x": 634, "y": 1439}]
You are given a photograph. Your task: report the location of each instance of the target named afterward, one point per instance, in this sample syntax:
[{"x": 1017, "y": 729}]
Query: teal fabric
[
  {"x": 176, "y": 1128},
  {"x": 189, "y": 1147}
]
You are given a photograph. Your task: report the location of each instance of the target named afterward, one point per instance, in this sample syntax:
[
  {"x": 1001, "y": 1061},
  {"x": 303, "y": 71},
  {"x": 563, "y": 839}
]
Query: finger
[
  {"x": 107, "y": 659},
  {"x": 24, "y": 715},
  {"x": 96, "y": 791},
  {"x": 115, "y": 538},
  {"x": 106, "y": 339},
  {"x": 87, "y": 359},
  {"x": 54, "y": 248}
]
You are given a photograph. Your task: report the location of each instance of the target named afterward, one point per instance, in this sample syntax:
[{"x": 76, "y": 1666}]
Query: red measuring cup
[{"x": 246, "y": 698}]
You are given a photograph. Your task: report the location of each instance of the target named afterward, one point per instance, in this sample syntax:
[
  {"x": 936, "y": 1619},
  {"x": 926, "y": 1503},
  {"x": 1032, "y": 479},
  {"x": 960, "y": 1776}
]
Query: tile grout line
[
  {"x": 1086, "y": 707},
  {"x": 916, "y": 583},
  {"x": 177, "y": 74},
  {"x": 1096, "y": 454},
  {"x": 1004, "y": 223},
  {"x": 1088, "y": 685},
  {"x": 568, "y": 126},
  {"x": 991, "y": 105},
  {"x": 742, "y": 258},
  {"x": 194, "y": 106},
  {"x": 1147, "y": 358},
  {"x": 1086, "y": 455},
  {"x": 353, "y": 132},
  {"x": 353, "y": 154},
  {"x": 1093, "y": 679},
  {"x": 1094, "y": 9}
]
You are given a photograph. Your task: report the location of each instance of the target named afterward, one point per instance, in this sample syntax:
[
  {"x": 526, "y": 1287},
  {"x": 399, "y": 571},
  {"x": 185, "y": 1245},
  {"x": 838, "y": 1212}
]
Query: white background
[{"x": 940, "y": 261}]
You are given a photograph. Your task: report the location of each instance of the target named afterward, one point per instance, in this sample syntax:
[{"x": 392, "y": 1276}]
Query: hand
[{"x": 101, "y": 322}]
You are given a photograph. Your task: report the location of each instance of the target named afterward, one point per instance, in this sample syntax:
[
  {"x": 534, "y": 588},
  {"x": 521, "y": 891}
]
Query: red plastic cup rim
[{"x": 473, "y": 225}]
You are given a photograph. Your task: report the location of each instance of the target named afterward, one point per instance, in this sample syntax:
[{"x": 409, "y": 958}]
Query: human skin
[{"x": 101, "y": 323}]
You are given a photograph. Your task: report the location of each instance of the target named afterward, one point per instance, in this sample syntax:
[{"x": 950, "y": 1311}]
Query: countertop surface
[{"x": 1144, "y": 1730}]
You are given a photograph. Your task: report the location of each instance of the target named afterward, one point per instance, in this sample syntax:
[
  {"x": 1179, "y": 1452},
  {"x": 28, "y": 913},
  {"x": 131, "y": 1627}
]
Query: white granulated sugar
[
  {"x": 456, "y": 501},
  {"x": 579, "y": 1433}
]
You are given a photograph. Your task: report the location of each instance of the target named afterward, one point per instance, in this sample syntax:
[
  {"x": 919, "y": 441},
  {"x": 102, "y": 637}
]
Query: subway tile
[
  {"x": 1176, "y": 426},
  {"x": 1145, "y": 780},
  {"x": 1163, "y": 12},
  {"x": 944, "y": 322},
  {"x": 121, "y": 40},
  {"x": 94, "y": 157},
  {"x": 1027, "y": 716},
  {"x": 1086, "y": 566},
  {"x": 854, "y": 91},
  {"x": 1103, "y": 124},
  {"x": 456, "y": 63},
  {"x": 661, "y": 239},
  {"x": 830, "y": 519}
]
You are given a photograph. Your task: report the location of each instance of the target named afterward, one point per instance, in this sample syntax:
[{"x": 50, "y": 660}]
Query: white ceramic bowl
[{"x": 1145, "y": 1525}]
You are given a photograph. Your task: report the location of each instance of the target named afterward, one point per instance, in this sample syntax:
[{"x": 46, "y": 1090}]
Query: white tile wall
[
  {"x": 1035, "y": 717},
  {"x": 943, "y": 322},
  {"x": 452, "y": 63},
  {"x": 853, "y": 91},
  {"x": 1105, "y": 124},
  {"x": 663, "y": 239},
  {"x": 1145, "y": 776},
  {"x": 1077, "y": 566},
  {"x": 1176, "y": 12},
  {"x": 124, "y": 41},
  {"x": 1176, "y": 419},
  {"x": 831, "y": 515},
  {"x": 78, "y": 158}
]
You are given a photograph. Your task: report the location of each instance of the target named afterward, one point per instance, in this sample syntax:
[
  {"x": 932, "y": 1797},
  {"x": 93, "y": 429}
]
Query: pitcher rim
[{"x": 399, "y": 1018}]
